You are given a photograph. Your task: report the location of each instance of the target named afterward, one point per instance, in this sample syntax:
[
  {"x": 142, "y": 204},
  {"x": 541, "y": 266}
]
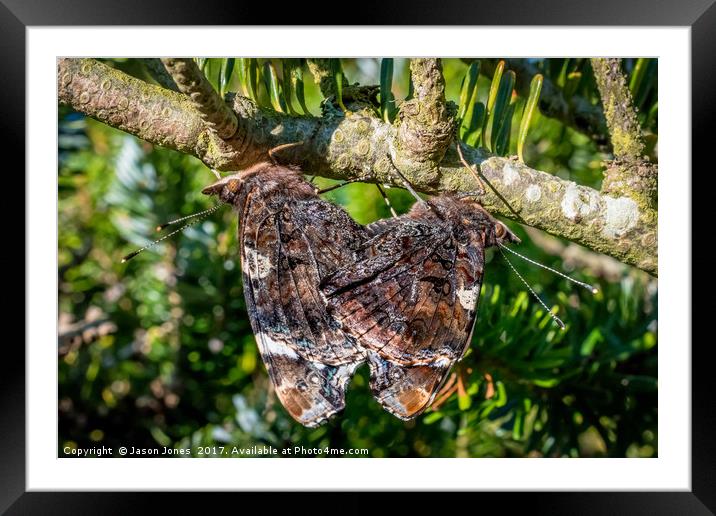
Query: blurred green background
[{"x": 159, "y": 351}]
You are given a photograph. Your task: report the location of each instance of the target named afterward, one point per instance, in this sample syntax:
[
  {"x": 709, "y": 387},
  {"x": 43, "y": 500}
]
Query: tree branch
[
  {"x": 624, "y": 130},
  {"x": 322, "y": 75},
  {"x": 155, "y": 114},
  {"x": 629, "y": 173},
  {"x": 156, "y": 69},
  {"x": 426, "y": 124},
  {"x": 192, "y": 82},
  {"x": 357, "y": 145},
  {"x": 117, "y": 99}
]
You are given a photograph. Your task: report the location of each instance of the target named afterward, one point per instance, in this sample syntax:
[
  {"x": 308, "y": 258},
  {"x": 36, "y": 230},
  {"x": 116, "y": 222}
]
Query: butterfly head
[
  {"x": 501, "y": 234},
  {"x": 467, "y": 215},
  {"x": 227, "y": 188}
]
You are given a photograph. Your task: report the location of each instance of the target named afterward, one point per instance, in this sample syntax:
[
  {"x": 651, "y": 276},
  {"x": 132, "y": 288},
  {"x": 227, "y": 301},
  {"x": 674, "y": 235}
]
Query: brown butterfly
[
  {"x": 411, "y": 298},
  {"x": 290, "y": 240}
]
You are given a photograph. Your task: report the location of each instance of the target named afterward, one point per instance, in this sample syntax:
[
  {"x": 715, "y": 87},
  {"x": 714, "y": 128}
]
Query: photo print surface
[{"x": 372, "y": 257}]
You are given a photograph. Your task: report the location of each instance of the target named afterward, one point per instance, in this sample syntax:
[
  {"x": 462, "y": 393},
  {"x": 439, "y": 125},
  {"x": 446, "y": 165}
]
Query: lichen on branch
[
  {"x": 630, "y": 173},
  {"x": 624, "y": 130}
]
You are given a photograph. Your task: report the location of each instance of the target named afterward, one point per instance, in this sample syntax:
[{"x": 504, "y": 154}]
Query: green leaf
[
  {"x": 254, "y": 78},
  {"x": 495, "y": 86},
  {"x": 464, "y": 401},
  {"x": 473, "y": 123},
  {"x": 547, "y": 383},
  {"x": 502, "y": 145},
  {"x": 337, "y": 75},
  {"x": 646, "y": 84},
  {"x": 652, "y": 117},
  {"x": 530, "y": 107},
  {"x": 271, "y": 84},
  {"x": 212, "y": 71},
  {"x": 573, "y": 81},
  {"x": 501, "y": 107},
  {"x": 519, "y": 425},
  {"x": 638, "y": 74},
  {"x": 297, "y": 81},
  {"x": 201, "y": 62},
  {"x": 468, "y": 92},
  {"x": 243, "y": 73},
  {"x": 159, "y": 436},
  {"x": 501, "y": 398},
  {"x": 287, "y": 84},
  {"x": 227, "y": 69},
  {"x": 387, "y": 100},
  {"x": 563, "y": 73},
  {"x": 595, "y": 336},
  {"x": 547, "y": 362},
  {"x": 432, "y": 418}
]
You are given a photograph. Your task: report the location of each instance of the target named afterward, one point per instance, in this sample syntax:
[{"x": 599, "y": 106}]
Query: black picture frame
[{"x": 700, "y": 15}]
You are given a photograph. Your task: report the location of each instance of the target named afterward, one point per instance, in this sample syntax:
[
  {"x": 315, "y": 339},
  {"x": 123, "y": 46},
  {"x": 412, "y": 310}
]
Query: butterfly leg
[
  {"x": 404, "y": 180},
  {"x": 471, "y": 168},
  {"x": 272, "y": 152}
]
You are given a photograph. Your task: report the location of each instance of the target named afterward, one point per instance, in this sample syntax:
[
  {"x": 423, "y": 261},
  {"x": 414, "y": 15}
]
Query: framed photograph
[{"x": 413, "y": 249}]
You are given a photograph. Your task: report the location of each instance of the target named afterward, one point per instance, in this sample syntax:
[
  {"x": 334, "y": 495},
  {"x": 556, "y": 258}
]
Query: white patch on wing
[
  {"x": 258, "y": 263},
  {"x": 468, "y": 297},
  {"x": 442, "y": 362},
  {"x": 274, "y": 347}
]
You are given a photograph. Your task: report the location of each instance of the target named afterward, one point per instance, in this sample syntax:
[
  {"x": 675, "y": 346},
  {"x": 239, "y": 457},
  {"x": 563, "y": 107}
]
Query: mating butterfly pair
[{"x": 325, "y": 294}]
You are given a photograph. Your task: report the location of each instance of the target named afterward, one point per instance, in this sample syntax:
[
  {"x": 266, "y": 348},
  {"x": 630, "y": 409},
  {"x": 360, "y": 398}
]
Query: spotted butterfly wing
[
  {"x": 290, "y": 239},
  {"x": 412, "y": 298}
]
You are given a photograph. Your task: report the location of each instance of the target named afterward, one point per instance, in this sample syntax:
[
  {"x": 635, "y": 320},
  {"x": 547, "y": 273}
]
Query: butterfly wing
[
  {"x": 411, "y": 302},
  {"x": 405, "y": 391},
  {"x": 412, "y": 298},
  {"x": 284, "y": 254}
]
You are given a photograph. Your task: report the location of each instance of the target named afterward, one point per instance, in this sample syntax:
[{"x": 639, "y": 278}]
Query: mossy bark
[
  {"x": 630, "y": 173},
  {"x": 156, "y": 70},
  {"x": 214, "y": 112}
]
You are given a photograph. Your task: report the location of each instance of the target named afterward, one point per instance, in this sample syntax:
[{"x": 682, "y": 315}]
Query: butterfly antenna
[
  {"x": 341, "y": 185},
  {"x": 554, "y": 317},
  {"x": 386, "y": 200},
  {"x": 338, "y": 185},
  {"x": 591, "y": 288},
  {"x": 199, "y": 217},
  {"x": 405, "y": 182},
  {"x": 199, "y": 214}
]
